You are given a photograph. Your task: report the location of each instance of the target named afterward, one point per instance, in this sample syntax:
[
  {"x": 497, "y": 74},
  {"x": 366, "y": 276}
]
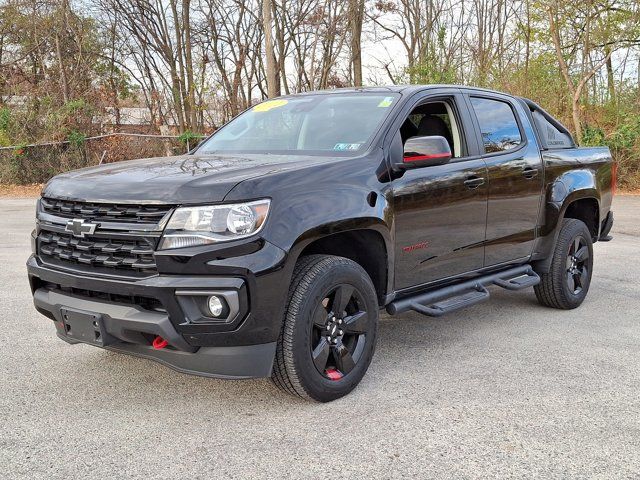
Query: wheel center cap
[{"x": 334, "y": 331}]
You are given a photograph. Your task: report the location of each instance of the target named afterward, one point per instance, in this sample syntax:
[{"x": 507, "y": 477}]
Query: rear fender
[{"x": 571, "y": 186}]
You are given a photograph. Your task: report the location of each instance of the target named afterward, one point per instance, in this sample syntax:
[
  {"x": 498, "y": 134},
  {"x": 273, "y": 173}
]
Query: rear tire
[
  {"x": 329, "y": 330},
  {"x": 566, "y": 284}
]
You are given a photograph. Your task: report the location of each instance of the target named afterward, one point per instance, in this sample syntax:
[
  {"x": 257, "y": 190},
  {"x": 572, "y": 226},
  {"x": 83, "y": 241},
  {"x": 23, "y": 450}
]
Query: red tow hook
[{"x": 159, "y": 343}]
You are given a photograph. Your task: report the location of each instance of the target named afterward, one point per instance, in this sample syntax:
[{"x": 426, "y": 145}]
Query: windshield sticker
[
  {"x": 343, "y": 147},
  {"x": 386, "y": 102},
  {"x": 266, "y": 106}
]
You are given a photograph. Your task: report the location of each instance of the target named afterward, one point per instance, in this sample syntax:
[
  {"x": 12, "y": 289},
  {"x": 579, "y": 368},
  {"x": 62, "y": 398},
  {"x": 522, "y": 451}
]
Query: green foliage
[
  {"x": 627, "y": 133},
  {"x": 5, "y": 117},
  {"x": 190, "y": 139},
  {"x": 432, "y": 69},
  {"x": 5, "y": 140},
  {"x": 538, "y": 79},
  {"x": 593, "y": 136},
  {"x": 624, "y": 143},
  {"x": 67, "y": 121},
  {"x": 77, "y": 139},
  {"x": 74, "y": 106},
  {"x": 73, "y": 113},
  {"x": 431, "y": 73},
  {"x": 115, "y": 79}
]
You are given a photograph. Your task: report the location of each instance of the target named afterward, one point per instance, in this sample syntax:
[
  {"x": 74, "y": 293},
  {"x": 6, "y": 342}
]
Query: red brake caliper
[{"x": 333, "y": 374}]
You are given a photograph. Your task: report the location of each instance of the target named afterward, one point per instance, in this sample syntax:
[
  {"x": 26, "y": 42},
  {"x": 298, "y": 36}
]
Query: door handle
[
  {"x": 473, "y": 182},
  {"x": 529, "y": 172}
]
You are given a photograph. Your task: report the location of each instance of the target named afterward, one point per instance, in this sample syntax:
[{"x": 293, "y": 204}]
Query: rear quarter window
[{"x": 550, "y": 136}]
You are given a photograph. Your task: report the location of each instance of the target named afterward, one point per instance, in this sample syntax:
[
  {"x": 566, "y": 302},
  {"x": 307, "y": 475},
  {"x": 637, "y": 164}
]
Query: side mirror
[{"x": 425, "y": 151}]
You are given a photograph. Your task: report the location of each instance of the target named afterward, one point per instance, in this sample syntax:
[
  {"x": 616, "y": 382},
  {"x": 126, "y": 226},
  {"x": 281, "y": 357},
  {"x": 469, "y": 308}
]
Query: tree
[
  {"x": 584, "y": 41},
  {"x": 356, "y": 14},
  {"x": 273, "y": 87}
]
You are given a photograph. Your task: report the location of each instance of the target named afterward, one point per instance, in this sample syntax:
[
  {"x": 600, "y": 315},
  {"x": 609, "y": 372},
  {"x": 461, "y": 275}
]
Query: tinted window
[
  {"x": 433, "y": 118},
  {"x": 316, "y": 123},
  {"x": 498, "y": 125},
  {"x": 551, "y": 137}
]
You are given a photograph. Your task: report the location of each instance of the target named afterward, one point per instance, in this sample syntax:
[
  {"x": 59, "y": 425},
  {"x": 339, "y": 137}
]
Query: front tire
[
  {"x": 566, "y": 284},
  {"x": 329, "y": 331}
]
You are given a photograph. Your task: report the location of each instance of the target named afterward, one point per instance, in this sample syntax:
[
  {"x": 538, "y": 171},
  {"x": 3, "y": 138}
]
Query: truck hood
[{"x": 169, "y": 180}]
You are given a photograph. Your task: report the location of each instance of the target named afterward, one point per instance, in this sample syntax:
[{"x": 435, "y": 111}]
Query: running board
[{"x": 454, "y": 297}]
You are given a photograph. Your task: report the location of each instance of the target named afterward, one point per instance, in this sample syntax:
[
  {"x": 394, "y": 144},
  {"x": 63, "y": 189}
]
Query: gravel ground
[{"x": 502, "y": 389}]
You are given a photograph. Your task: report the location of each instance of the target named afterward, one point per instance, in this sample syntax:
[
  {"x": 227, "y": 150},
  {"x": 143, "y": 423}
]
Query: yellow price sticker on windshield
[
  {"x": 386, "y": 102},
  {"x": 268, "y": 105}
]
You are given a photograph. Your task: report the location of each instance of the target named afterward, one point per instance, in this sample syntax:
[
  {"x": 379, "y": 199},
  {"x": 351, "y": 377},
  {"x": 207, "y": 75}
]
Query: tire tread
[
  {"x": 308, "y": 268},
  {"x": 550, "y": 291}
]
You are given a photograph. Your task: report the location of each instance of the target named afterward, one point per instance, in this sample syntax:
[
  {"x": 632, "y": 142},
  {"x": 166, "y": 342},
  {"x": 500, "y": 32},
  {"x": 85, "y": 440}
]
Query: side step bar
[{"x": 454, "y": 297}]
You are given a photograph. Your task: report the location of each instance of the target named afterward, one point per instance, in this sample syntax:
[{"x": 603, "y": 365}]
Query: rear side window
[{"x": 498, "y": 125}]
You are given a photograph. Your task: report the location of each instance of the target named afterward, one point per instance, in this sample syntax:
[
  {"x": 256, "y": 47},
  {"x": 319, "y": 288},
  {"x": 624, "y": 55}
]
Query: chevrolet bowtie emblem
[{"x": 80, "y": 228}]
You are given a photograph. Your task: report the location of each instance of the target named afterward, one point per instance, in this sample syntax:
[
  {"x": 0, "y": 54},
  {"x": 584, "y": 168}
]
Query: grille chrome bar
[
  {"x": 97, "y": 212},
  {"x": 95, "y": 251},
  {"x": 114, "y": 225},
  {"x": 115, "y": 230},
  {"x": 123, "y": 244}
]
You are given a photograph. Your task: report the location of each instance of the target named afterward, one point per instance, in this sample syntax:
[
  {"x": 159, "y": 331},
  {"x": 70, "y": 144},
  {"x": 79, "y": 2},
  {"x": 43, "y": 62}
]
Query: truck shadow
[{"x": 408, "y": 345}]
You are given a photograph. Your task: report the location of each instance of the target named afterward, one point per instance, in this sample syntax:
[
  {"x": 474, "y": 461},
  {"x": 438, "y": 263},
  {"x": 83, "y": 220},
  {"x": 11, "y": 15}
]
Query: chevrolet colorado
[{"x": 270, "y": 249}]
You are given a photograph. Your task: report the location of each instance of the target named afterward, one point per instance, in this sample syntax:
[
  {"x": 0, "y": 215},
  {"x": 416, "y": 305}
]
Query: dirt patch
[{"x": 18, "y": 191}]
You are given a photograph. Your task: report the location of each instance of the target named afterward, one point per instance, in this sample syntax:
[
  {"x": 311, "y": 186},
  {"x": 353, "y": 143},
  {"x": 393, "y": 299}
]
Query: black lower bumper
[
  {"x": 130, "y": 321},
  {"x": 130, "y": 328}
]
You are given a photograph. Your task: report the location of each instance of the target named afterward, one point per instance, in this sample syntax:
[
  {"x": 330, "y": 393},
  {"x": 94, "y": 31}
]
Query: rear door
[
  {"x": 515, "y": 176},
  {"x": 440, "y": 211}
]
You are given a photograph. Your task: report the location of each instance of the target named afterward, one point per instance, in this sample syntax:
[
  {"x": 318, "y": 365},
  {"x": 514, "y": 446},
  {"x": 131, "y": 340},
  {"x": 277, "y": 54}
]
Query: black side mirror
[{"x": 425, "y": 152}]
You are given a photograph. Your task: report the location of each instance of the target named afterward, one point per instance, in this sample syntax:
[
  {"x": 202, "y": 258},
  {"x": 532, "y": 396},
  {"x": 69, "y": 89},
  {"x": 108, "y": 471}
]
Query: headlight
[{"x": 192, "y": 226}]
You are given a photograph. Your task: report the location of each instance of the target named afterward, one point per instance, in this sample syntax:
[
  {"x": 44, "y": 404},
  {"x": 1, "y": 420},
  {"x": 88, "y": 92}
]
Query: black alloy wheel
[
  {"x": 329, "y": 329},
  {"x": 566, "y": 284},
  {"x": 339, "y": 332},
  {"x": 577, "y": 265}
]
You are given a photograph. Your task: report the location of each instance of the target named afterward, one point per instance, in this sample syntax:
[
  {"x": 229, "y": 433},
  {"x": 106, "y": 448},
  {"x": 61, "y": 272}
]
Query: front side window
[
  {"x": 433, "y": 118},
  {"x": 498, "y": 125},
  {"x": 307, "y": 124}
]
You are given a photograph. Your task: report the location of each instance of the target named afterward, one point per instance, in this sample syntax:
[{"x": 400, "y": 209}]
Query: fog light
[{"x": 216, "y": 306}]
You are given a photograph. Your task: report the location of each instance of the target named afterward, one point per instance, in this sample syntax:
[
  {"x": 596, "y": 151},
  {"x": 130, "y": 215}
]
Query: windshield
[{"x": 314, "y": 123}]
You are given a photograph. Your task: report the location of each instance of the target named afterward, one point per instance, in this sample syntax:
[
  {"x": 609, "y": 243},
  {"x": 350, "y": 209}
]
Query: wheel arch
[
  {"x": 587, "y": 210},
  {"x": 368, "y": 244},
  {"x": 572, "y": 195},
  {"x": 582, "y": 204}
]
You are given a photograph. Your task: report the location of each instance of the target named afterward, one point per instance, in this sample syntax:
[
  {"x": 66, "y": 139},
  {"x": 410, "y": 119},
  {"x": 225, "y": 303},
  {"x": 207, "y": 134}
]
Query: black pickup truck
[{"x": 270, "y": 249}]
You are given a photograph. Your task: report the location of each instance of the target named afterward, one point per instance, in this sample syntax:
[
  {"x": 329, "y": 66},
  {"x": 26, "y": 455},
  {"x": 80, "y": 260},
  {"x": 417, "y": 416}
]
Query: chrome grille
[
  {"x": 105, "y": 212},
  {"x": 134, "y": 255},
  {"x": 122, "y": 243}
]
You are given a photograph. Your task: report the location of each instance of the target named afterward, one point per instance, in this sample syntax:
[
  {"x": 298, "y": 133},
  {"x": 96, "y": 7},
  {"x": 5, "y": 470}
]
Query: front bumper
[
  {"x": 241, "y": 348},
  {"x": 131, "y": 328}
]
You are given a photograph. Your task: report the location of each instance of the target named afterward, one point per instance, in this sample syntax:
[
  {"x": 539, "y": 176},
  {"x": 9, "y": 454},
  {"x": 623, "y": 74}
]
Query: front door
[{"x": 440, "y": 211}]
